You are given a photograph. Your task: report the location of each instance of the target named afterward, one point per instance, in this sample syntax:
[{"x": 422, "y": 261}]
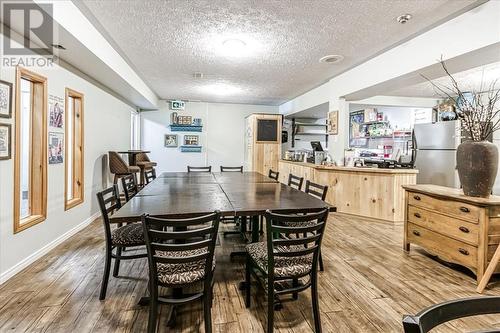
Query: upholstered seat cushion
[
  {"x": 130, "y": 234},
  {"x": 299, "y": 224},
  {"x": 283, "y": 266},
  {"x": 184, "y": 273},
  {"x": 133, "y": 169},
  {"x": 146, "y": 165}
]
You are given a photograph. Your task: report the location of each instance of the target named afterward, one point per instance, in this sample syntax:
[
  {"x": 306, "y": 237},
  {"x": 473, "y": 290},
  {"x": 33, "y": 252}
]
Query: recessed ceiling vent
[
  {"x": 403, "y": 18},
  {"x": 332, "y": 59}
]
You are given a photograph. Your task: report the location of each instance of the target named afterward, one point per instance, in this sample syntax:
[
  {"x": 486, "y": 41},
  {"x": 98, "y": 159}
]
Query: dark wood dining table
[{"x": 182, "y": 194}]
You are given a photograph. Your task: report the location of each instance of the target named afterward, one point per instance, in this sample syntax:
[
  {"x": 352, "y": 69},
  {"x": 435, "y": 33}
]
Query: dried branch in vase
[{"x": 478, "y": 110}]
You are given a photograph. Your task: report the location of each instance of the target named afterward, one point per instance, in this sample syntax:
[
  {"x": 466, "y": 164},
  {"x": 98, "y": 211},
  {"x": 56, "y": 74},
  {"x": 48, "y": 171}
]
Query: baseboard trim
[{"x": 4, "y": 277}]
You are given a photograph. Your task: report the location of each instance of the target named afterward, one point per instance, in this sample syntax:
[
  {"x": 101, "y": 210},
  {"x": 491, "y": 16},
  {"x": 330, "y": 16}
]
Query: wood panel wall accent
[
  {"x": 38, "y": 151},
  {"x": 260, "y": 156},
  {"x": 375, "y": 193},
  {"x": 77, "y": 142},
  {"x": 459, "y": 229}
]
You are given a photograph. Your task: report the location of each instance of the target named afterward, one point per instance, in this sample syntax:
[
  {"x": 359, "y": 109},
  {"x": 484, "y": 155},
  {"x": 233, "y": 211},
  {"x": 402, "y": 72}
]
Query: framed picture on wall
[
  {"x": 56, "y": 147},
  {"x": 171, "y": 140},
  {"x": 333, "y": 123},
  {"x": 191, "y": 140},
  {"x": 5, "y": 141},
  {"x": 5, "y": 99}
]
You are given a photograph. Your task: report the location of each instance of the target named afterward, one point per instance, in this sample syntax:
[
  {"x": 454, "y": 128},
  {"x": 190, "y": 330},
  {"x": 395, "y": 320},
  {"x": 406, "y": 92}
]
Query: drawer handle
[
  {"x": 416, "y": 233},
  {"x": 464, "y": 229},
  {"x": 417, "y": 215},
  {"x": 416, "y": 197},
  {"x": 465, "y": 209},
  {"x": 463, "y": 251}
]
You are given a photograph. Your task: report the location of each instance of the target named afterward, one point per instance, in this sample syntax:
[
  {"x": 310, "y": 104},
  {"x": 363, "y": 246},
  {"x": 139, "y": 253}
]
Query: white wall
[
  {"x": 107, "y": 127},
  {"x": 222, "y": 137}
]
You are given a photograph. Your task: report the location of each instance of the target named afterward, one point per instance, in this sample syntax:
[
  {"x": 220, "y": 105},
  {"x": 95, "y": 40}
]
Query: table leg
[{"x": 255, "y": 229}]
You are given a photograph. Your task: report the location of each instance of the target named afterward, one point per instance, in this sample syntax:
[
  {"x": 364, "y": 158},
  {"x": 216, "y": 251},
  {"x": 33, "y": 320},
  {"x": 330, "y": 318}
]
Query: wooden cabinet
[
  {"x": 262, "y": 142},
  {"x": 459, "y": 229}
]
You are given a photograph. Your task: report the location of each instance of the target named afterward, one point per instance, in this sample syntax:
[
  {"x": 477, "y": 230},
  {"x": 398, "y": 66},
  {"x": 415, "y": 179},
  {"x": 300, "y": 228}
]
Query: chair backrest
[
  {"x": 438, "y": 314},
  {"x": 142, "y": 157},
  {"x": 273, "y": 174},
  {"x": 129, "y": 186},
  {"x": 302, "y": 239},
  {"x": 316, "y": 190},
  {"x": 109, "y": 201},
  {"x": 295, "y": 181},
  {"x": 199, "y": 169},
  {"x": 165, "y": 238},
  {"x": 150, "y": 175},
  {"x": 116, "y": 163},
  {"x": 231, "y": 169}
]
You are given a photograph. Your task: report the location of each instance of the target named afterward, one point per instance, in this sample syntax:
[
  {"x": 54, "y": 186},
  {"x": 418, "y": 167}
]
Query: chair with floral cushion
[
  {"x": 181, "y": 254},
  {"x": 145, "y": 164},
  {"x": 287, "y": 256},
  {"x": 119, "y": 238}
]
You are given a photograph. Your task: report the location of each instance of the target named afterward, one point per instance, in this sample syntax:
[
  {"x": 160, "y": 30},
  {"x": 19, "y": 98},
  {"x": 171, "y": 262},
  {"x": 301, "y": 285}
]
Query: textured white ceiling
[
  {"x": 476, "y": 79},
  {"x": 167, "y": 41}
]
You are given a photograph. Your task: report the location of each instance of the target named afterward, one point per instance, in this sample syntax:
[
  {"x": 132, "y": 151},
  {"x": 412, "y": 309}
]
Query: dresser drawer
[
  {"x": 448, "y": 226},
  {"x": 447, "y": 248},
  {"x": 456, "y": 208}
]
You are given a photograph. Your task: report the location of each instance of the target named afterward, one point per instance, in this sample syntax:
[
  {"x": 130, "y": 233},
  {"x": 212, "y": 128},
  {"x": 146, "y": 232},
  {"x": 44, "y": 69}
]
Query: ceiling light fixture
[
  {"x": 198, "y": 75},
  {"x": 403, "y": 18},
  {"x": 234, "y": 47},
  {"x": 221, "y": 89},
  {"x": 332, "y": 59}
]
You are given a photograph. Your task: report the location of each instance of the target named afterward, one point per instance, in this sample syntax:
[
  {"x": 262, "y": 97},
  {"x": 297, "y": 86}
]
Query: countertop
[
  {"x": 452, "y": 193},
  {"x": 354, "y": 169}
]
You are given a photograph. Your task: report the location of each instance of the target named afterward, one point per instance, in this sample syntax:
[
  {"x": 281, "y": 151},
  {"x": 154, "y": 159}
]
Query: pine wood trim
[
  {"x": 38, "y": 197},
  {"x": 78, "y": 145}
]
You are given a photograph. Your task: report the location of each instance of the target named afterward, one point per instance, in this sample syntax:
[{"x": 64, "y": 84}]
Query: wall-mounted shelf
[
  {"x": 185, "y": 128},
  {"x": 307, "y": 124},
  {"x": 191, "y": 149},
  {"x": 295, "y": 131}
]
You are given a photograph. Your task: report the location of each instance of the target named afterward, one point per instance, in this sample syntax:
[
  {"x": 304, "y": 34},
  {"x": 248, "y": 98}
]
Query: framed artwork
[
  {"x": 5, "y": 99},
  {"x": 5, "y": 141},
  {"x": 56, "y": 147},
  {"x": 333, "y": 123},
  {"x": 171, "y": 140},
  {"x": 184, "y": 120},
  {"x": 191, "y": 140},
  {"x": 56, "y": 111}
]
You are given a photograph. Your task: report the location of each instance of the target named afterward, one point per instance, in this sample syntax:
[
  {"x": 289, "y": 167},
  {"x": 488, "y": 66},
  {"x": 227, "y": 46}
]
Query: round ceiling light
[
  {"x": 403, "y": 18},
  {"x": 332, "y": 59},
  {"x": 221, "y": 89},
  {"x": 234, "y": 47}
]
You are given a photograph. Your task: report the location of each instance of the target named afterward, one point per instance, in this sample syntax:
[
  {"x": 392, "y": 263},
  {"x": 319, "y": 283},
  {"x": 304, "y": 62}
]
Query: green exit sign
[{"x": 177, "y": 105}]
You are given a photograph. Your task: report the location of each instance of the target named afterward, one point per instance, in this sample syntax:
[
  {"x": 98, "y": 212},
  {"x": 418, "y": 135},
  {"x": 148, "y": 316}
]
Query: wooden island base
[
  {"x": 459, "y": 229},
  {"x": 369, "y": 192}
]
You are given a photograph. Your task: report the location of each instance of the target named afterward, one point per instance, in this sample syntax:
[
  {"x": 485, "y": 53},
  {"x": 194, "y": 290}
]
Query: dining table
[{"x": 190, "y": 194}]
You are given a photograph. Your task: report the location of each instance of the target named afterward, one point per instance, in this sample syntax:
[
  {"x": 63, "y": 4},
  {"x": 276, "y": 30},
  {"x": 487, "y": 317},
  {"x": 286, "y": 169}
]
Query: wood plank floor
[{"x": 369, "y": 283}]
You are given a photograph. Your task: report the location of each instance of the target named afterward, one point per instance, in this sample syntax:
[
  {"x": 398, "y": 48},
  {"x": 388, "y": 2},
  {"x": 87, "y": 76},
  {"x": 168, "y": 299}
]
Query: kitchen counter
[
  {"x": 355, "y": 169},
  {"x": 370, "y": 192}
]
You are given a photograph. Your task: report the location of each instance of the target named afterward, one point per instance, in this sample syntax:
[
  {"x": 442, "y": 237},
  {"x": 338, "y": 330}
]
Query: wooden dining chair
[
  {"x": 284, "y": 257},
  {"x": 273, "y": 174},
  {"x": 150, "y": 175},
  {"x": 119, "y": 238},
  {"x": 181, "y": 254},
  {"x": 317, "y": 191},
  {"x": 119, "y": 167},
  {"x": 231, "y": 169},
  {"x": 295, "y": 181},
  {"x": 441, "y": 313},
  {"x": 199, "y": 169},
  {"x": 130, "y": 187}
]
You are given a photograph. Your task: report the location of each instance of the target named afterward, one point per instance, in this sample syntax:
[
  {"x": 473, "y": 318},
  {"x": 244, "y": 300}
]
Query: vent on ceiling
[{"x": 332, "y": 59}]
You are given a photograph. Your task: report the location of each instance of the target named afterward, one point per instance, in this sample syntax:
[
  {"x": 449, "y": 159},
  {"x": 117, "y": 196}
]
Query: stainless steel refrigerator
[{"x": 435, "y": 148}]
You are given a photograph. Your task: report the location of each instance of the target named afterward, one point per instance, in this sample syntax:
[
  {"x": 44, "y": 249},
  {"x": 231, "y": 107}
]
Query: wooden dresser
[{"x": 458, "y": 229}]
